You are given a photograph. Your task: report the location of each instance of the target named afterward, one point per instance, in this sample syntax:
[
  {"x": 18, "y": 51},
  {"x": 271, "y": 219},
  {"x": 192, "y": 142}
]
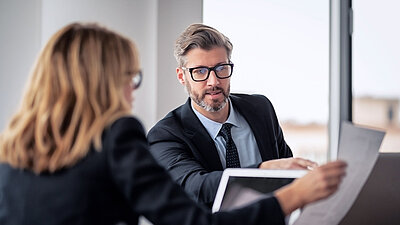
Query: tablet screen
[
  {"x": 241, "y": 191},
  {"x": 239, "y": 187}
]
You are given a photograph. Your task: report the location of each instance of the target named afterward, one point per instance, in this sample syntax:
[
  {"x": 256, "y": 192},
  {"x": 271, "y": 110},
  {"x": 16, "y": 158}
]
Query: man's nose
[{"x": 212, "y": 79}]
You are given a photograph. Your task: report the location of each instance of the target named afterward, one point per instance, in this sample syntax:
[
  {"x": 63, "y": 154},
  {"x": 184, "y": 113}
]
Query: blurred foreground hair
[{"x": 74, "y": 92}]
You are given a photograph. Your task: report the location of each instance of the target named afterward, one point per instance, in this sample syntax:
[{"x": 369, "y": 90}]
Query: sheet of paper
[{"x": 359, "y": 147}]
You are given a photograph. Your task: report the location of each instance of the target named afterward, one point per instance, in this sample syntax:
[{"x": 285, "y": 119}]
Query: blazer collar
[
  {"x": 200, "y": 137},
  {"x": 256, "y": 123}
]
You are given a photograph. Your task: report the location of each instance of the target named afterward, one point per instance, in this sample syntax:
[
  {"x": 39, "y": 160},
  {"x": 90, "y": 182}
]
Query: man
[{"x": 214, "y": 129}]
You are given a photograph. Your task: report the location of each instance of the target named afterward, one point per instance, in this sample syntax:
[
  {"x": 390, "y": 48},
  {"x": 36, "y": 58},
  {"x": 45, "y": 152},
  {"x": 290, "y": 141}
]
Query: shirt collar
[{"x": 213, "y": 127}]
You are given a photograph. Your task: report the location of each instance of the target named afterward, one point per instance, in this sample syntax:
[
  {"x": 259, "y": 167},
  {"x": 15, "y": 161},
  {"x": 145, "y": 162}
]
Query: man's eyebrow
[{"x": 224, "y": 62}]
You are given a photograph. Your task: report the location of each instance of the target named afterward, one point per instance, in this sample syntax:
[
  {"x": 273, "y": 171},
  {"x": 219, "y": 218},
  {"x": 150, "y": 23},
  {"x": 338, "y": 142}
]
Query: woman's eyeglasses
[{"x": 137, "y": 79}]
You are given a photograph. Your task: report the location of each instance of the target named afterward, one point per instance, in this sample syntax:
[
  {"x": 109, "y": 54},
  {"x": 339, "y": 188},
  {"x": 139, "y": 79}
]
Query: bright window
[
  {"x": 281, "y": 50},
  {"x": 376, "y": 68}
]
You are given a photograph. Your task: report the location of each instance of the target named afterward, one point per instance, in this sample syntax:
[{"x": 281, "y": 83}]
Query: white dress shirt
[{"x": 242, "y": 136}]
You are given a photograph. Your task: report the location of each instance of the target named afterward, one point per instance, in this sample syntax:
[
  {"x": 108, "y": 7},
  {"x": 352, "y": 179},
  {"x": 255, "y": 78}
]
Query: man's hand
[
  {"x": 315, "y": 185},
  {"x": 288, "y": 163}
]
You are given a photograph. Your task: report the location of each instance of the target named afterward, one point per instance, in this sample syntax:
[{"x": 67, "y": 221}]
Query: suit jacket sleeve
[
  {"x": 184, "y": 155},
  {"x": 173, "y": 153},
  {"x": 150, "y": 191}
]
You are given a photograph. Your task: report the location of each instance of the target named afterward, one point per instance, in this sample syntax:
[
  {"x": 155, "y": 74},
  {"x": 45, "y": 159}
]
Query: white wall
[
  {"x": 19, "y": 44},
  {"x": 173, "y": 17},
  {"x": 135, "y": 19},
  {"x": 153, "y": 25}
]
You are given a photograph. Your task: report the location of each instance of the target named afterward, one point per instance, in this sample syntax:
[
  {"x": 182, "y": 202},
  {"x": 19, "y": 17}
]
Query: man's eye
[
  {"x": 200, "y": 71},
  {"x": 221, "y": 68}
]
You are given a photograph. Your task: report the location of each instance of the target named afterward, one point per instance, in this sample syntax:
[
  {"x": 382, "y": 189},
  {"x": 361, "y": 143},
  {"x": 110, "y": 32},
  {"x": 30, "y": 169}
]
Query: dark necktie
[{"x": 232, "y": 157}]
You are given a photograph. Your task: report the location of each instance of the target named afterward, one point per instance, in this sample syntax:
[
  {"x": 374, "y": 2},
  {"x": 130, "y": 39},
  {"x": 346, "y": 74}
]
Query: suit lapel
[
  {"x": 198, "y": 134},
  {"x": 257, "y": 124}
]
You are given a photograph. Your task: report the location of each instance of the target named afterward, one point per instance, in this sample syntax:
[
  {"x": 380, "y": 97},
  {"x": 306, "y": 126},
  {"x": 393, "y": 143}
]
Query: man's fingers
[
  {"x": 304, "y": 163},
  {"x": 289, "y": 163},
  {"x": 296, "y": 166}
]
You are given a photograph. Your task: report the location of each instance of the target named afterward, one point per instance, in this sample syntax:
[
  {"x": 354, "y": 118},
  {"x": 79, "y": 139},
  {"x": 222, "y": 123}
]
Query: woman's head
[
  {"x": 81, "y": 82},
  {"x": 87, "y": 62}
]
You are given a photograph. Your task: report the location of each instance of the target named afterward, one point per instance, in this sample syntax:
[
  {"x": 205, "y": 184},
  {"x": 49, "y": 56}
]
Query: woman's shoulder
[
  {"x": 126, "y": 122},
  {"x": 123, "y": 128}
]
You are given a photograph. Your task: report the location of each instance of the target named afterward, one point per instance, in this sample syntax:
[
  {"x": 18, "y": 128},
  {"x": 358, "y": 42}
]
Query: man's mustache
[{"x": 213, "y": 89}]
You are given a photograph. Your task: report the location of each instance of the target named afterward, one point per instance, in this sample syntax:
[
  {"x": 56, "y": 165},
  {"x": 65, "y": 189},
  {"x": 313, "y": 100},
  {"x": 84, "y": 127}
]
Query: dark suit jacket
[
  {"x": 116, "y": 184},
  {"x": 183, "y": 146}
]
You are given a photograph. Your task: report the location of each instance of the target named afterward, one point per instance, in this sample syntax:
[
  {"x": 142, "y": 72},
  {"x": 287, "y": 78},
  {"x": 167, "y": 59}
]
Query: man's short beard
[
  {"x": 209, "y": 108},
  {"x": 202, "y": 104}
]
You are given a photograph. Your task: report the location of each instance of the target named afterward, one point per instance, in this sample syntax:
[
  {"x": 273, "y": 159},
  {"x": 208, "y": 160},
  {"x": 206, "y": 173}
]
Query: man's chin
[
  {"x": 209, "y": 104},
  {"x": 215, "y": 107}
]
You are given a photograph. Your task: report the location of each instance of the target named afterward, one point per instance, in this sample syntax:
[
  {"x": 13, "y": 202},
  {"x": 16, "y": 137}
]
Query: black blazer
[
  {"x": 119, "y": 183},
  {"x": 183, "y": 146}
]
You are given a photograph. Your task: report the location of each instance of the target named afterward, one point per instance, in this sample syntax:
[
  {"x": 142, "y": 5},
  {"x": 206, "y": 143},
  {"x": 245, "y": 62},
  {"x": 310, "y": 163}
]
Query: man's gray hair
[{"x": 200, "y": 36}]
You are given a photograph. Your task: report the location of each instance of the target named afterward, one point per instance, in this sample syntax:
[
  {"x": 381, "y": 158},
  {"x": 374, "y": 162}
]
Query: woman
[{"x": 72, "y": 154}]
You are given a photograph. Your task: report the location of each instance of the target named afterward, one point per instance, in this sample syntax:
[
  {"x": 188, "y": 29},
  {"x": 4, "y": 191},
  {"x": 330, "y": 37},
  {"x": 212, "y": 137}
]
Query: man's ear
[{"x": 180, "y": 75}]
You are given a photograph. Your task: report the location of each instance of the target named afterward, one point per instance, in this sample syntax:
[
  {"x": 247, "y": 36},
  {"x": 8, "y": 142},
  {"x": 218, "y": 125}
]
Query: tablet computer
[{"x": 239, "y": 187}]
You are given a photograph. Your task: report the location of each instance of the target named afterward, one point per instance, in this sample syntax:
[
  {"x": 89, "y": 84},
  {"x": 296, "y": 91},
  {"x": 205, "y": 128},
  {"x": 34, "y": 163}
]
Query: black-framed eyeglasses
[
  {"x": 201, "y": 73},
  {"x": 137, "y": 79}
]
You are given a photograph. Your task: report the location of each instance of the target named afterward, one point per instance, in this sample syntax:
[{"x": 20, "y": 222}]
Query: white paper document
[{"x": 359, "y": 147}]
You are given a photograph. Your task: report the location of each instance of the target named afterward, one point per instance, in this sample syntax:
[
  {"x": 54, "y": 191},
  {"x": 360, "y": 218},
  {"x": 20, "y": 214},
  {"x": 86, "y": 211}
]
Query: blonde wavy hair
[{"x": 75, "y": 91}]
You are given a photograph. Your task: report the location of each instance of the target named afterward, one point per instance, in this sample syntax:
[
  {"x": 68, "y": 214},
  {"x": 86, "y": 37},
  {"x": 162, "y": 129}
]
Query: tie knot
[{"x": 225, "y": 131}]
